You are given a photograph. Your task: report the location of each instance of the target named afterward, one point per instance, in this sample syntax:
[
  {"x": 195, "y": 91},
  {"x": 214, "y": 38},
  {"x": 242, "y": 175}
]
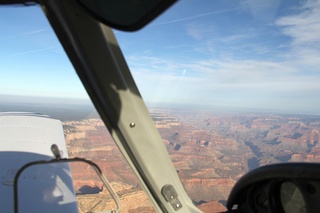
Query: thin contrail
[
  {"x": 194, "y": 17},
  {"x": 35, "y": 31},
  {"x": 26, "y": 34},
  {"x": 32, "y": 51}
]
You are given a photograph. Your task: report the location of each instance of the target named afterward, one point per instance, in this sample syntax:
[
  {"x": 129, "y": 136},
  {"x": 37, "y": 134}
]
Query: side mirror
[{"x": 63, "y": 185}]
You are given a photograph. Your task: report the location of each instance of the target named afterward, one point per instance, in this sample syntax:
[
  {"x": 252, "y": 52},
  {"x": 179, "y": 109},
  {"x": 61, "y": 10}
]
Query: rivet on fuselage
[{"x": 132, "y": 125}]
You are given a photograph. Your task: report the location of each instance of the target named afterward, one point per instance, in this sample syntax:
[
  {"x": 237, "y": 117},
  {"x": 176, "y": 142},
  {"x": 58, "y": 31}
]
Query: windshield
[
  {"x": 38, "y": 77},
  {"x": 231, "y": 86}
]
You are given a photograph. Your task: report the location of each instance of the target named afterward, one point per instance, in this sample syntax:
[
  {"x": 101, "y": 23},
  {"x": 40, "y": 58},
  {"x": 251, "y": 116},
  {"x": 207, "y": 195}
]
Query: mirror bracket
[{"x": 58, "y": 159}]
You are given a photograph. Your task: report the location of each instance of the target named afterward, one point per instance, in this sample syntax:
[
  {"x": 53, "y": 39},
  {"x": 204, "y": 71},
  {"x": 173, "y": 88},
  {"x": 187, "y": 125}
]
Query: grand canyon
[{"x": 210, "y": 151}]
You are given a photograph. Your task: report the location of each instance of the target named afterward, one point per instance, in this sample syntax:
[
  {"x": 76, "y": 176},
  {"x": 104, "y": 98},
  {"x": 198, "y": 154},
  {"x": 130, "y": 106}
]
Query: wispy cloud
[
  {"x": 261, "y": 10},
  {"x": 302, "y": 29},
  {"x": 199, "y": 31},
  {"x": 287, "y": 80},
  {"x": 257, "y": 83}
]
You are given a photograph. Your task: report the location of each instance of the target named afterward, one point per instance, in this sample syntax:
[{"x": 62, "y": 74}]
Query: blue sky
[{"x": 225, "y": 53}]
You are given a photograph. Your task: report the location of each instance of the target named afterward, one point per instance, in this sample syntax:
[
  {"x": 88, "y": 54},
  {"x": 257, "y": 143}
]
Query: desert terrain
[{"x": 210, "y": 151}]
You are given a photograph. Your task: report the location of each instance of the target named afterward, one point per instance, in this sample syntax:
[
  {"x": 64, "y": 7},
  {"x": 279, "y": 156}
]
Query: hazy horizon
[{"x": 85, "y": 106}]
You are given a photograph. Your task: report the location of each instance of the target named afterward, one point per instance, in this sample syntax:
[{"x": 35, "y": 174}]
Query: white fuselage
[{"x": 24, "y": 138}]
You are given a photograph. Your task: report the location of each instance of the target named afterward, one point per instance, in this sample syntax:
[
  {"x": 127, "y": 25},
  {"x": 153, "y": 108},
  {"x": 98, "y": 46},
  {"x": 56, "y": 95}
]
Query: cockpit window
[
  {"x": 36, "y": 76},
  {"x": 231, "y": 86}
]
